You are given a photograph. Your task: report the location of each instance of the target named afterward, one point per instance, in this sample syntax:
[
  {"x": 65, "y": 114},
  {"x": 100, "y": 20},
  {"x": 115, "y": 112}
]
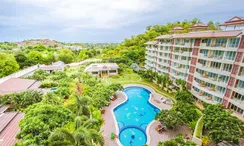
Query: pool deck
[{"x": 154, "y": 137}]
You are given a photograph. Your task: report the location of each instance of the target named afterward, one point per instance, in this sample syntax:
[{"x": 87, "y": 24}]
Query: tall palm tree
[{"x": 83, "y": 135}]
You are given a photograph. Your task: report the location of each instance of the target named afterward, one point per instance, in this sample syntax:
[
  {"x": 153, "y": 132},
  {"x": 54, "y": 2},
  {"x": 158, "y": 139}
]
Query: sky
[{"x": 97, "y": 21}]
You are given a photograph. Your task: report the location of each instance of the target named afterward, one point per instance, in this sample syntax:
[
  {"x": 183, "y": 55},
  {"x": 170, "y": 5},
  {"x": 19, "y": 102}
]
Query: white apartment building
[{"x": 211, "y": 62}]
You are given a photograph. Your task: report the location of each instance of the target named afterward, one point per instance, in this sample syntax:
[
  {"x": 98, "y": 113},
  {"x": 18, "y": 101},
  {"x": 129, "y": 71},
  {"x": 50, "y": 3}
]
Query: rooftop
[
  {"x": 101, "y": 66},
  {"x": 234, "y": 21},
  {"x": 54, "y": 66},
  {"x": 18, "y": 85}
]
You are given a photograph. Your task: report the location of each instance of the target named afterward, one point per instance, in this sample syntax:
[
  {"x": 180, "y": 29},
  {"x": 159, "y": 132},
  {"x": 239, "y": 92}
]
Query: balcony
[
  {"x": 182, "y": 53},
  {"x": 203, "y": 98},
  {"x": 163, "y": 70},
  {"x": 177, "y": 76},
  {"x": 165, "y": 44},
  {"x": 206, "y": 89},
  {"x": 237, "y": 102},
  {"x": 184, "y": 62},
  {"x": 212, "y": 70},
  {"x": 163, "y": 63},
  {"x": 210, "y": 80},
  {"x": 150, "y": 48},
  {"x": 179, "y": 69},
  {"x": 238, "y": 90},
  {"x": 182, "y": 44},
  {"x": 217, "y": 46},
  {"x": 164, "y": 50}
]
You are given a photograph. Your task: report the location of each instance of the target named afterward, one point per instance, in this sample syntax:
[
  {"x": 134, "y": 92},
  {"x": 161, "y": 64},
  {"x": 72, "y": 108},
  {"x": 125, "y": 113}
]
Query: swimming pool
[{"x": 134, "y": 115}]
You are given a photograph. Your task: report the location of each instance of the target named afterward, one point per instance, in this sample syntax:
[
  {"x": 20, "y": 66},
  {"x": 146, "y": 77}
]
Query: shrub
[{"x": 48, "y": 85}]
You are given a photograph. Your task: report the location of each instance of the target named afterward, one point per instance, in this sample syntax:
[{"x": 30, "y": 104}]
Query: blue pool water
[{"x": 134, "y": 115}]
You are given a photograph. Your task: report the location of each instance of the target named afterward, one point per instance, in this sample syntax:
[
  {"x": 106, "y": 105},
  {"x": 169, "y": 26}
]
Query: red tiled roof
[
  {"x": 164, "y": 37},
  {"x": 234, "y": 21},
  {"x": 18, "y": 85},
  {"x": 7, "y": 136},
  {"x": 199, "y": 26},
  {"x": 209, "y": 34}
]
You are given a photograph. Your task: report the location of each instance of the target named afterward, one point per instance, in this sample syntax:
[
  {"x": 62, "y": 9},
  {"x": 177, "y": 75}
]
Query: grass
[
  {"x": 129, "y": 77},
  {"x": 199, "y": 128}
]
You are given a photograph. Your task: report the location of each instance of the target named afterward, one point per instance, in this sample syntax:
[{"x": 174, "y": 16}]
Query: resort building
[
  {"x": 56, "y": 66},
  {"x": 211, "y": 62},
  {"x": 16, "y": 85},
  {"x": 103, "y": 69},
  {"x": 9, "y": 122}
]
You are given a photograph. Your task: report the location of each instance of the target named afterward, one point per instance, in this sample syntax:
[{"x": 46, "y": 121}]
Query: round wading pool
[{"x": 134, "y": 115}]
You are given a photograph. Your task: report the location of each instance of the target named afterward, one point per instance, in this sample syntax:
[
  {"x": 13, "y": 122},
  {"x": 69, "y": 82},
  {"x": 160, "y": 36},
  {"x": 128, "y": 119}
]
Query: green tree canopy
[
  {"x": 8, "y": 64},
  {"x": 66, "y": 55},
  {"x": 40, "y": 120}
]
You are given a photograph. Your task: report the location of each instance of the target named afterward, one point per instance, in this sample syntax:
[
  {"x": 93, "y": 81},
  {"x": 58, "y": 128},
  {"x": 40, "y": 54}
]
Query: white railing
[{"x": 19, "y": 73}]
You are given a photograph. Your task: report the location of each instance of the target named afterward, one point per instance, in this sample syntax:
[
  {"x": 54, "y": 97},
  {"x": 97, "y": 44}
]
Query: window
[
  {"x": 230, "y": 55},
  {"x": 238, "y": 96},
  {"x": 204, "y": 52},
  {"x": 241, "y": 72},
  {"x": 217, "y": 99},
  {"x": 203, "y": 62},
  {"x": 227, "y": 67},
  {"x": 237, "y": 109},
  {"x": 215, "y": 65},
  {"x": 220, "y": 42},
  {"x": 221, "y": 89},
  {"x": 176, "y": 57},
  {"x": 234, "y": 42},
  {"x": 112, "y": 71},
  {"x": 183, "y": 58},
  {"x": 240, "y": 84},
  {"x": 212, "y": 75},
  {"x": 218, "y": 54},
  {"x": 223, "y": 78},
  {"x": 186, "y": 41},
  {"x": 207, "y": 41}
]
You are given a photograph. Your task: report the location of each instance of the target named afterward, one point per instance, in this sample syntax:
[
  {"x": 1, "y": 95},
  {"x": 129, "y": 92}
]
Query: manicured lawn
[{"x": 129, "y": 77}]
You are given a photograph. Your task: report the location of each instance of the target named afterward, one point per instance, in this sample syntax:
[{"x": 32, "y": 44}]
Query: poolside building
[
  {"x": 211, "y": 62},
  {"x": 103, "y": 69},
  {"x": 56, "y": 66}
]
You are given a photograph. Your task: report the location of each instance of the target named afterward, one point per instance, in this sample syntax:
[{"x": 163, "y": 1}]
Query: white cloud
[{"x": 71, "y": 15}]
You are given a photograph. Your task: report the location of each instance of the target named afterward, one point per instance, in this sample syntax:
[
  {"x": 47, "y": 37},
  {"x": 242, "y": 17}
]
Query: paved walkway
[
  {"x": 109, "y": 125},
  {"x": 167, "y": 135}
]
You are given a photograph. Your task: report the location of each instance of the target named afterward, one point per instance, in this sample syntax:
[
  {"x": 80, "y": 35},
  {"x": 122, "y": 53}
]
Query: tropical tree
[
  {"x": 189, "y": 111},
  {"x": 221, "y": 126},
  {"x": 35, "y": 57},
  {"x": 83, "y": 135},
  {"x": 40, "y": 120},
  {"x": 170, "y": 118},
  {"x": 185, "y": 96},
  {"x": 178, "y": 141},
  {"x": 8, "y": 64},
  {"x": 66, "y": 55},
  {"x": 182, "y": 84}
]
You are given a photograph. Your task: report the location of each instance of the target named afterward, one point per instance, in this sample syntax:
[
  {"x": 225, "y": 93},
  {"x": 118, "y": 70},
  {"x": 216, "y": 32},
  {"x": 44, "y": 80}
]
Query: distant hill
[{"x": 45, "y": 42}]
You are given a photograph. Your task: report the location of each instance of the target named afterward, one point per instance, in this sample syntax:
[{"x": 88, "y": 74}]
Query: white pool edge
[
  {"x": 148, "y": 126},
  {"x": 116, "y": 123}
]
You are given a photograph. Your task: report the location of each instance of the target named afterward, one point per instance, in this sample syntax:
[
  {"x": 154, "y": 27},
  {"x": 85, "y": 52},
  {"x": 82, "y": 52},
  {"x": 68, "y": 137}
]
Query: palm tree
[
  {"x": 83, "y": 135},
  {"x": 82, "y": 106}
]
